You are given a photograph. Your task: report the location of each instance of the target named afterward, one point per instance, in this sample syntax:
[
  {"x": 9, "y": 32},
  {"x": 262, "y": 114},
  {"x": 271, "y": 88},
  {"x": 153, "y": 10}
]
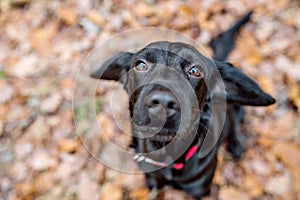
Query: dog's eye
[
  {"x": 195, "y": 72},
  {"x": 141, "y": 66}
]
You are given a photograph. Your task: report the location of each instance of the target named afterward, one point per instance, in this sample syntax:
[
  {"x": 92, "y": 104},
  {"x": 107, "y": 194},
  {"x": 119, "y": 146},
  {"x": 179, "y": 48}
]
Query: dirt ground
[{"x": 42, "y": 46}]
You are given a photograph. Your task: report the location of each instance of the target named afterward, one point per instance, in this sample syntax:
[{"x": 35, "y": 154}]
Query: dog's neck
[{"x": 177, "y": 165}]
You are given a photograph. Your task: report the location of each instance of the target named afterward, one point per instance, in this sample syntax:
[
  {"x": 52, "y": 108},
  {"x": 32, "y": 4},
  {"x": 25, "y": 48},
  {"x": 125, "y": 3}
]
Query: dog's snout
[{"x": 162, "y": 98}]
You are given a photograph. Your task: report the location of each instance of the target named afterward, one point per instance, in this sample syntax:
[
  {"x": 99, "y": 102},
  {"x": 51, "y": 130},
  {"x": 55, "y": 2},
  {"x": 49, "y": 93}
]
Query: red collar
[{"x": 177, "y": 166}]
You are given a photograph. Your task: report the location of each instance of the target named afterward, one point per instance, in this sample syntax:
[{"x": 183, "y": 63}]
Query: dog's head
[{"x": 163, "y": 77}]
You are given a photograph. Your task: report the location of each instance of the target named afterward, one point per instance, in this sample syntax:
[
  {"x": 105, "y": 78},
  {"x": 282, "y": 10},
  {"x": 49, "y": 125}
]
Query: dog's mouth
[
  {"x": 163, "y": 136},
  {"x": 156, "y": 134}
]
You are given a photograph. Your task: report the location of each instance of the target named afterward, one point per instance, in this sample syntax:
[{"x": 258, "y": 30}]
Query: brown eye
[
  {"x": 141, "y": 66},
  {"x": 195, "y": 72}
]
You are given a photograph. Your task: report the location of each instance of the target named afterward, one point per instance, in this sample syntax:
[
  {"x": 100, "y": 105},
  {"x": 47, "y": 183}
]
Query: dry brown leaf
[
  {"x": 1, "y": 128},
  {"x": 68, "y": 145},
  {"x": 260, "y": 167},
  {"x": 38, "y": 131},
  {"x": 294, "y": 92},
  {"x": 266, "y": 84},
  {"x": 19, "y": 172},
  {"x": 4, "y": 109},
  {"x": 111, "y": 192},
  {"x": 26, "y": 66},
  {"x": 96, "y": 18},
  {"x": 87, "y": 188},
  {"x": 41, "y": 38},
  {"x": 287, "y": 153},
  {"x": 280, "y": 128},
  {"x": 279, "y": 185},
  {"x": 252, "y": 186},
  {"x": 106, "y": 125},
  {"x": 51, "y": 104},
  {"x": 25, "y": 190},
  {"x": 70, "y": 165},
  {"x": 218, "y": 178},
  {"x": 265, "y": 142},
  {"x": 45, "y": 181},
  {"x": 67, "y": 85},
  {"x": 140, "y": 194},
  {"x": 171, "y": 193},
  {"x": 41, "y": 160},
  {"x": 68, "y": 16},
  {"x": 230, "y": 193},
  {"x": 7, "y": 91},
  {"x": 144, "y": 10},
  {"x": 250, "y": 48},
  {"x": 100, "y": 172},
  {"x": 131, "y": 181},
  {"x": 295, "y": 175}
]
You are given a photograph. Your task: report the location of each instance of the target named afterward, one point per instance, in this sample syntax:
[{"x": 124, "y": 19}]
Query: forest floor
[{"x": 42, "y": 46}]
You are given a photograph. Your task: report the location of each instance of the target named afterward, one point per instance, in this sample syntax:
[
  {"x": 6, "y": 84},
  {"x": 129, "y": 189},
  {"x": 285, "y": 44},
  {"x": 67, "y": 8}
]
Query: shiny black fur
[{"x": 196, "y": 176}]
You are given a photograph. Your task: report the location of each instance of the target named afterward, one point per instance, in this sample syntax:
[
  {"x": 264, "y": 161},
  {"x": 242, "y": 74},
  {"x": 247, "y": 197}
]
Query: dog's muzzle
[{"x": 158, "y": 102}]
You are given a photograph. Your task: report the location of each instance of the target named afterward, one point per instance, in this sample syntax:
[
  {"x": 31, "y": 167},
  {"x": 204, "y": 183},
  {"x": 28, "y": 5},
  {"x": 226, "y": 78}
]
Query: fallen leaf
[
  {"x": 7, "y": 91},
  {"x": 70, "y": 166},
  {"x": 265, "y": 28},
  {"x": 131, "y": 181},
  {"x": 88, "y": 188},
  {"x": 26, "y": 190},
  {"x": 174, "y": 194},
  {"x": 107, "y": 126},
  {"x": 41, "y": 38},
  {"x": 89, "y": 26},
  {"x": 248, "y": 45},
  {"x": 41, "y": 160},
  {"x": 44, "y": 182},
  {"x": 276, "y": 127},
  {"x": 96, "y": 18},
  {"x": 26, "y": 66},
  {"x": 252, "y": 186},
  {"x": 38, "y": 131},
  {"x": 100, "y": 172},
  {"x": 68, "y": 145},
  {"x": 279, "y": 185},
  {"x": 295, "y": 182},
  {"x": 19, "y": 172},
  {"x": 68, "y": 16},
  {"x": 17, "y": 3},
  {"x": 140, "y": 194},
  {"x": 1, "y": 128},
  {"x": 294, "y": 92},
  {"x": 286, "y": 152},
  {"x": 260, "y": 167},
  {"x": 51, "y": 104},
  {"x": 229, "y": 193},
  {"x": 67, "y": 85},
  {"x": 266, "y": 83},
  {"x": 143, "y": 9},
  {"x": 111, "y": 192}
]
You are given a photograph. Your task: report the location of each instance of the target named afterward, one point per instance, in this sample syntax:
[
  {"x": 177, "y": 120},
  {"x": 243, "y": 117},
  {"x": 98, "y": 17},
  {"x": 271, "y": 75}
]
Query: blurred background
[{"x": 43, "y": 43}]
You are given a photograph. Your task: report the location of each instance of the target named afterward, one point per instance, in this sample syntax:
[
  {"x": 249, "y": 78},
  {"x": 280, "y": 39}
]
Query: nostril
[
  {"x": 171, "y": 105},
  {"x": 163, "y": 99},
  {"x": 152, "y": 103},
  {"x": 155, "y": 102}
]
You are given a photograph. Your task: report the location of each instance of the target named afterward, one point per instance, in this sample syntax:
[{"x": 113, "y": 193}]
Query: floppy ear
[
  {"x": 240, "y": 89},
  {"x": 115, "y": 68}
]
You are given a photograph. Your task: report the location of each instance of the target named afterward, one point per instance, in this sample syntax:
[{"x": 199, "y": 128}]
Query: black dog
[{"x": 163, "y": 80}]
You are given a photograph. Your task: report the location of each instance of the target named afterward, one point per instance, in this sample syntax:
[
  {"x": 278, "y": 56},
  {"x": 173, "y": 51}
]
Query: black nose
[{"x": 162, "y": 98}]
